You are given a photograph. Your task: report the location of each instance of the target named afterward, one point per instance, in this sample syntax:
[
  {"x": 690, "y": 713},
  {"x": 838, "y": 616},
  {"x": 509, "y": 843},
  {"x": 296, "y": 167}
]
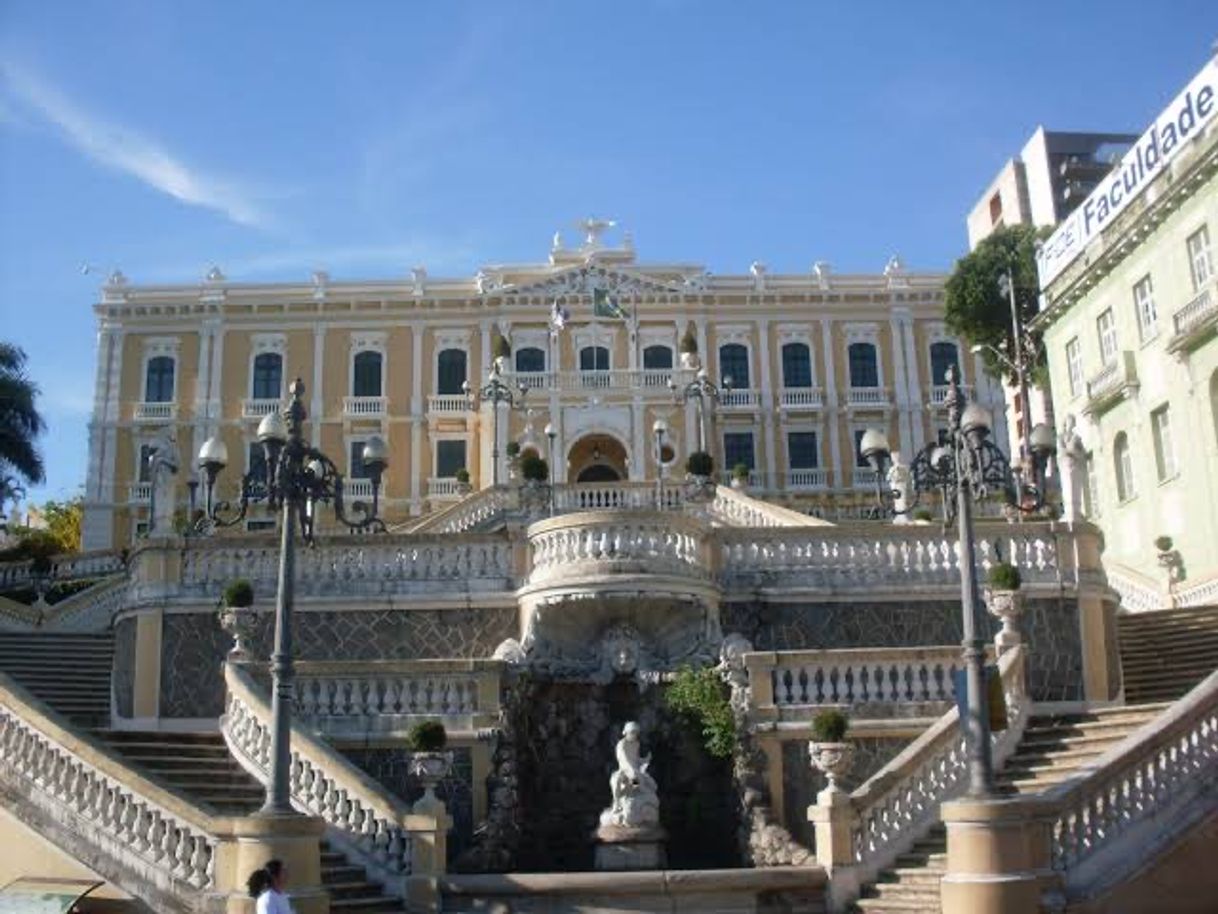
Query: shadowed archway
[{"x": 597, "y": 458}]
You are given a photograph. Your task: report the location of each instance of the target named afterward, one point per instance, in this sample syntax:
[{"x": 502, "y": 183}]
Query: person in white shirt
[{"x": 266, "y": 885}]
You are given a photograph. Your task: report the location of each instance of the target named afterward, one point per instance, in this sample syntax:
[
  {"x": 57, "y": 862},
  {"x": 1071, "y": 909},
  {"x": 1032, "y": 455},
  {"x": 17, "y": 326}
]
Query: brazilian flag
[{"x": 604, "y": 306}]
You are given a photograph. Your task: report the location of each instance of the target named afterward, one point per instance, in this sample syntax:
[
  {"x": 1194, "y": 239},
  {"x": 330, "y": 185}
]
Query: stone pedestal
[
  {"x": 294, "y": 839},
  {"x": 620, "y": 847}
]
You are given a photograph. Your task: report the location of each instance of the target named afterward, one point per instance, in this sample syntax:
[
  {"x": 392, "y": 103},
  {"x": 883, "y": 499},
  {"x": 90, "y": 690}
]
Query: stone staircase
[
  {"x": 1166, "y": 652},
  {"x": 1053, "y": 747},
  {"x": 71, "y": 673}
]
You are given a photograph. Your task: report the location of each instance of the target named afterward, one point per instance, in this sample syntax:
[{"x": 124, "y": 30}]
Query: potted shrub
[
  {"x": 1164, "y": 543},
  {"x": 462, "y": 477},
  {"x": 700, "y": 465},
  {"x": 689, "y": 349},
  {"x": 237, "y": 616},
  {"x": 502, "y": 351},
  {"x": 740, "y": 476},
  {"x": 1005, "y": 602},
  {"x": 428, "y": 760},
  {"x": 828, "y": 749},
  {"x": 534, "y": 469}
]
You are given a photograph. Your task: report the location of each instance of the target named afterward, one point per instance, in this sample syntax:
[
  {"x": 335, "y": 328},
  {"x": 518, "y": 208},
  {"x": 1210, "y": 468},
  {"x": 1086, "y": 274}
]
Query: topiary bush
[
  {"x": 1163, "y": 543},
  {"x": 428, "y": 736},
  {"x": 741, "y": 471},
  {"x": 239, "y": 594},
  {"x": 462, "y": 476},
  {"x": 513, "y": 449},
  {"x": 1005, "y": 576},
  {"x": 701, "y": 697},
  {"x": 700, "y": 463},
  {"x": 534, "y": 468},
  {"x": 830, "y": 727}
]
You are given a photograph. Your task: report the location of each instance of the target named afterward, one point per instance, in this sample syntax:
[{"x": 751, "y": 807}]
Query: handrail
[
  {"x": 64, "y": 567},
  {"x": 898, "y": 803},
  {"x": 739, "y": 510},
  {"x": 112, "y": 804},
  {"x": 365, "y": 819},
  {"x": 462, "y": 516}
]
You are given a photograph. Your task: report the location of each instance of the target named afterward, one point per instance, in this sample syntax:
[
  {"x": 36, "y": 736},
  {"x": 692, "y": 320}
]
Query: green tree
[
  {"x": 63, "y": 522},
  {"x": 978, "y": 309},
  {"x": 20, "y": 421}
]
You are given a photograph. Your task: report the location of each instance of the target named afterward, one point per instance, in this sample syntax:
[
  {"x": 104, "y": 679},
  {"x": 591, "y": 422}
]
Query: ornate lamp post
[
  {"x": 497, "y": 392},
  {"x": 966, "y": 467},
  {"x": 701, "y": 388},
  {"x": 297, "y": 479},
  {"x": 551, "y": 433},
  {"x": 659, "y": 428}
]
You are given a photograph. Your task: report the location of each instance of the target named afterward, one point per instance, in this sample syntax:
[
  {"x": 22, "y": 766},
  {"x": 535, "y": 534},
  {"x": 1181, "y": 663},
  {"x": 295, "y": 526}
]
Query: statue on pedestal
[
  {"x": 900, "y": 481},
  {"x": 630, "y": 836}
]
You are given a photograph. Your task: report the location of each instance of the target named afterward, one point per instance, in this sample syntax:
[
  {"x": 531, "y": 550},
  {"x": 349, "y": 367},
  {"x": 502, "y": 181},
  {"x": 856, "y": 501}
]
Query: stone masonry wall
[
  {"x": 124, "y": 666},
  {"x": 194, "y": 645},
  {"x": 1050, "y": 628}
]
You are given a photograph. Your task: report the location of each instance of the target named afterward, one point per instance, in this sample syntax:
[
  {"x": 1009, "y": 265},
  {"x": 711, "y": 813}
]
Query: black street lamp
[
  {"x": 497, "y": 392},
  {"x": 296, "y": 479},
  {"x": 966, "y": 467}
]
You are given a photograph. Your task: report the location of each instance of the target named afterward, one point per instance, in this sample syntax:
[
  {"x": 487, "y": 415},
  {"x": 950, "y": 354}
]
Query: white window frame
[
  {"x": 1107, "y": 335},
  {"x": 788, "y": 430},
  {"x": 275, "y": 343},
  {"x": 1122, "y": 464},
  {"x": 1074, "y": 366},
  {"x": 742, "y": 335},
  {"x": 367, "y": 341},
  {"x": 788, "y": 333},
  {"x": 1144, "y": 308},
  {"x": 1166, "y": 467},
  {"x": 1200, "y": 261},
  {"x": 349, "y": 440},
  {"x": 155, "y": 346},
  {"x": 864, "y": 333},
  {"x": 436, "y": 438},
  {"x": 594, "y": 335},
  {"x": 528, "y": 339}
]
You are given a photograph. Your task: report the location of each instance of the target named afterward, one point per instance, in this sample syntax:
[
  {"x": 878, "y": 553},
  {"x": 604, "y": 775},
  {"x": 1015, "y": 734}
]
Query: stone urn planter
[
  {"x": 833, "y": 760},
  {"x": 239, "y": 622},
  {"x": 430, "y": 768},
  {"x": 1008, "y": 607}
]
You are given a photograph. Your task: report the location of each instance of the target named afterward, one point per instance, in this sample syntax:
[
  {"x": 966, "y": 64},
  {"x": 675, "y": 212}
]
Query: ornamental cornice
[{"x": 588, "y": 278}]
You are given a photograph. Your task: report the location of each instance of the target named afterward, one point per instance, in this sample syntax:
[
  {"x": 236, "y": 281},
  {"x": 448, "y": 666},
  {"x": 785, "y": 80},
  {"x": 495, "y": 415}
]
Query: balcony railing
[
  {"x": 813, "y": 478},
  {"x": 938, "y": 395},
  {"x": 1194, "y": 321},
  {"x": 801, "y": 398},
  {"x": 155, "y": 412},
  {"x": 1112, "y": 382},
  {"x": 864, "y": 397},
  {"x": 139, "y": 492},
  {"x": 653, "y": 379},
  {"x": 864, "y": 477},
  {"x": 447, "y": 404},
  {"x": 256, "y": 408},
  {"x": 357, "y": 488},
  {"x": 365, "y": 407},
  {"x": 740, "y": 399},
  {"x": 447, "y": 487}
]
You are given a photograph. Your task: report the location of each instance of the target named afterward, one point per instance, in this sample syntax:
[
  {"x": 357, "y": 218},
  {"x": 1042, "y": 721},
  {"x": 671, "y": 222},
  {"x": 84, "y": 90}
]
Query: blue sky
[{"x": 367, "y": 137}]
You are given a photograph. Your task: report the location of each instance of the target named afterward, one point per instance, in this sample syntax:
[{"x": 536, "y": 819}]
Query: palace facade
[{"x": 813, "y": 359}]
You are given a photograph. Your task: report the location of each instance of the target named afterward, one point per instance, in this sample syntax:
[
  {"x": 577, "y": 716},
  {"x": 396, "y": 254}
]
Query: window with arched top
[
  {"x": 657, "y": 358},
  {"x": 943, "y": 355},
  {"x": 451, "y": 371},
  {"x": 594, "y": 358},
  {"x": 734, "y": 364},
  {"x": 366, "y": 374},
  {"x": 158, "y": 379},
  {"x": 864, "y": 365},
  {"x": 796, "y": 365},
  {"x": 268, "y": 376},
  {"x": 1122, "y": 460},
  {"x": 530, "y": 358}
]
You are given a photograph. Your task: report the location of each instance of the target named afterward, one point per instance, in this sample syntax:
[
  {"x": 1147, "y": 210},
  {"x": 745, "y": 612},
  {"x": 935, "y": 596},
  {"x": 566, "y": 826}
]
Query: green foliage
[
  {"x": 534, "y": 468},
  {"x": 830, "y": 727},
  {"x": 501, "y": 348},
  {"x": 700, "y": 463},
  {"x": 1005, "y": 576},
  {"x": 689, "y": 342},
  {"x": 20, "y": 421},
  {"x": 38, "y": 546},
  {"x": 702, "y": 698},
  {"x": 513, "y": 449},
  {"x": 239, "y": 593},
  {"x": 462, "y": 476},
  {"x": 741, "y": 471},
  {"x": 923, "y": 514},
  {"x": 976, "y": 308},
  {"x": 428, "y": 736},
  {"x": 1163, "y": 543},
  {"x": 64, "y": 519}
]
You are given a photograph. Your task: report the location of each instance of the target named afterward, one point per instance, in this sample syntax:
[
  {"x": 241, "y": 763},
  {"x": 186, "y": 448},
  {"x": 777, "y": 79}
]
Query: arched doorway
[{"x": 597, "y": 458}]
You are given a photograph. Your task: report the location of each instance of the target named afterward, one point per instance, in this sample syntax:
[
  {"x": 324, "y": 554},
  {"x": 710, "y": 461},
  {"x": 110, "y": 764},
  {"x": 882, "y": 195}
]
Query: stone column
[
  {"x": 417, "y": 417},
  {"x": 317, "y": 407},
  {"x": 831, "y": 405},
  {"x": 900, "y": 382},
  {"x": 914, "y": 388},
  {"x": 833, "y": 818},
  {"x": 767, "y": 404}
]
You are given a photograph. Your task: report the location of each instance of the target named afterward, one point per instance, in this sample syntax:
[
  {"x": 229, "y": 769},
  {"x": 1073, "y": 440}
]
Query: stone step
[
  {"x": 1098, "y": 741},
  {"x": 377, "y": 904},
  {"x": 172, "y": 763},
  {"x": 336, "y": 874},
  {"x": 1064, "y": 755},
  {"x": 903, "y": 890},
  {"x": 914, "y": 859},
  {"x": 915, "y": 875},
  {"x": 894, "y": 904}
]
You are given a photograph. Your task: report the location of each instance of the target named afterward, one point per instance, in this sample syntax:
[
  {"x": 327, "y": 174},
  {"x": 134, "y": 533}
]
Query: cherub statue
[{"x": 635, "y": 800}]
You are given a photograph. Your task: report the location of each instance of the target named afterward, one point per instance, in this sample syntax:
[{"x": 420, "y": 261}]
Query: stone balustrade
[
  {"x": 785, "y": 683},
  {"x": 864, "y": 832},
  {"x": 469, "y": 513},
  {"x": 1146, "y": 792},
  {"x": 615, "y": 496},
  {"x": 67, "y": 567},
  {"x": 731, "y": 508},
  {"x": 368, "y": 822},
  {"x": 576, "y": 545},
  {"x": 132, "y": 825},
  {"x": 369, "y": 565},
  {"x": 385, "y": 697}
]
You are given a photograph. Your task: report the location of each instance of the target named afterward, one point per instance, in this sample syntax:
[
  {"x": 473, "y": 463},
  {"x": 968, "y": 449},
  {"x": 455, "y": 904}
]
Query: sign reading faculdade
[{"x": 1182, "y": 120}]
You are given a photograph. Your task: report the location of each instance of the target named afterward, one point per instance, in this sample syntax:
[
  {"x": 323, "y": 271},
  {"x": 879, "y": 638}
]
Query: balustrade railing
[
  {"x": 867, "y": 396},
  {"x": 470, "y": 512},
  {"x": 66, "y": 567},
  {"x": 366, "y": 407},
  {"x": 814, "y": 478},
  {"x": 373, "y": 826},
  {"x": 651, "y": 543},
  {"x": 736, "y": 509},
  {"x": 624, "y": 379},
  {"x": 1202, "y": 307},
  {"x": 256, "y": 408},
  {"x": 136, "y": 824},
  {"x": 614, "y": 496},
  {"x": 448, "y": 404},
  {"x": 155, "y": 412},
  {"x": 739, "y": 398},
  {"x": 801, "y": 398},
  {"x": 354, "y": 566}
]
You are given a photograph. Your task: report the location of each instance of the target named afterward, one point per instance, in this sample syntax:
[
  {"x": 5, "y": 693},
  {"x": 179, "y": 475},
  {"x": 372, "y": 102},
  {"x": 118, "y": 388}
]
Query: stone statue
[
  {"x": 163, "y": 466},
  {"x": 1071, "y": 464},
  {"x": 900, "y": 481},
  {"x": 635, "y": 800}
]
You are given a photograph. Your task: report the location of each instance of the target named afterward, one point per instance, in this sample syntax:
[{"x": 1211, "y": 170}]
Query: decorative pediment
[{"x": 583, "y": 280}]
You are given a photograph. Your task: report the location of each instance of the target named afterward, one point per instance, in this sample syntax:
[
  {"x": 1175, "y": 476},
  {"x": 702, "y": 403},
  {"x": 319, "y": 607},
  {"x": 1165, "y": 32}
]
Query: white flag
[{"x": 558, "y": 317}]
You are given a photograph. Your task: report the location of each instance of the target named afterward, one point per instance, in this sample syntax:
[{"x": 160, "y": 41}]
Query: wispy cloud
[{"x": 124, "y": 149}]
